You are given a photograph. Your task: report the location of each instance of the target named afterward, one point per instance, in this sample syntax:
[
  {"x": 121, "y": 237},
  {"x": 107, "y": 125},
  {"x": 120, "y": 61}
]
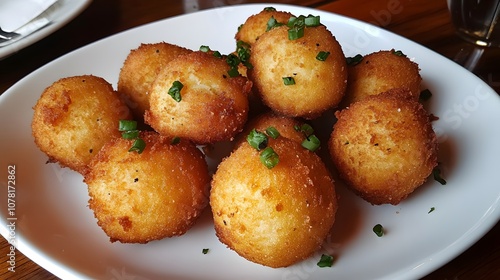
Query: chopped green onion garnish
[
  {"x": 312, "y": 21},
  {"x": 217, "y": 54},
  {"x": 322, "y": 55},
  {"x": 269, "y": 9},
  {"x": 295, "y": 33},
  {"x": 243, "y": 51},
  {"x": 311, "y": 143},
  {"x": 354, "y": 59},
  {"x": 305, "y": 128},
  {"x": 205, "y": 251},
  {"x": 256, "y": 139},
  {"x": 436, "y": 173},
  {"x": 130, "y": 134},
  {"x": 425, "y": 95},
  {"x": 272, "y": 23},
  {"x": 273, "y": 132},
  {"x": 398, "y": 53},
  {"x": 233, "y": 72},
  {"x": 378, "y": 229},
  {"x": 175, "y": 91},
  {"x": 288, "y": 81},
  {"x": 325, "y": 261},
  {"x": 138, "y": 146},
  {"x": 176, "y": 140},
  {"x": 126, "y": 125},
  {"x": 269, "y": 157},
  {"x": 204, "y": 48},
  {"x": 432, "y": 209}
]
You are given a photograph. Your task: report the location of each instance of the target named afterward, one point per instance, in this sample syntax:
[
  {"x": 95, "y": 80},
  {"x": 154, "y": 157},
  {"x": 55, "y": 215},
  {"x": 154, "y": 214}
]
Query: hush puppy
[
  {"x": 384, "y": 147},
  {"x": 379, "y": 72},
  {"x": 273, "y": 216},
  {"x": 194, "y": 97},
  {"x": 140, "y": 197},
  {"x": 139, "y": 71},
  {"x": 74, "y": 117},
  {"x": 301, "y": 77},
  {"x": 257, "y": 24}
]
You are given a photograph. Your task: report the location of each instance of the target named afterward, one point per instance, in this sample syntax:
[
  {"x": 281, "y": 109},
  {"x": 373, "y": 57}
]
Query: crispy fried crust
[
  {"x": 74, "y": 117},
  {"x": 384, "y": 147},
  {"x": 274, "y": 217},
  {"x": 214, "y": 106},
  {"x": 256, "y": 24},
  {"x": 319, "y": 85},
  {"x": 139, "y": 71},
  {"x": 379, "y": 72},
  {"x": 159, "y": 193}
]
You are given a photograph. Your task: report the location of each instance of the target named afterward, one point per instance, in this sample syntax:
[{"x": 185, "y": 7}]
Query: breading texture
[
  {"x": 257, "y": 24},
  {"x": 139, "y": 71},
  {"x": 274, "y": 217},
  {"x": 319, "y": 85},
  {"x": 379, "y": 72},
  {"x": 384, "y": 147},
  {"x": 74, "y": 117},
  {"x": 213, "y": 105},
  {"x": 158, "y": 193}
]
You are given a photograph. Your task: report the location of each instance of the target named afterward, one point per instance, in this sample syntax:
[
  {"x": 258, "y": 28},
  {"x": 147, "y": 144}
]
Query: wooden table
[{"x": 424, "y": 21}]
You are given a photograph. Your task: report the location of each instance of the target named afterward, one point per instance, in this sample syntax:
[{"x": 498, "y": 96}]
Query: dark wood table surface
[{"x": 424, "y": 21}]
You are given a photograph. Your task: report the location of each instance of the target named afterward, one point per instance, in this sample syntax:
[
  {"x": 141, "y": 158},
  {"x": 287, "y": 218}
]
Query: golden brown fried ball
[
  {"x": 212, "y": 107},
  {"x": 140, "y": 70},
  {"x": 274, "y": 217},
  {"x": 140, "y": 197},
  {"x": 379, "y": 72},
  {"x": 256, "y": 24},
  {"x": 384, "y": 147},
  {"x": 74, "y": 117},
  {"x": 319, "y": 85}
]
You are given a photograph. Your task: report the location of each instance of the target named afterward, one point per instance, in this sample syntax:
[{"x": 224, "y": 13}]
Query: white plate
[
  {"x": 63, "y": 12},
  {"x": 56, "y": 229}
]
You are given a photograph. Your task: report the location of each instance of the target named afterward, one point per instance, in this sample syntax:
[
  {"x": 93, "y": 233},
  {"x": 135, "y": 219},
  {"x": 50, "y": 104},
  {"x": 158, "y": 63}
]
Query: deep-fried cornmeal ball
[
  {"x": 209, "y": 105},
  {"x": 274, "y": 217},
  {"x": 379, "y": 72},
  {"x": 384, "y": 147},
  {"x": 257, "y": 24},
  {"x": 74, "y": 117},
  {"x": 140, "y": 197},
  {"x": 139, "y": 71},
  {"x": 290, "y": 77}
]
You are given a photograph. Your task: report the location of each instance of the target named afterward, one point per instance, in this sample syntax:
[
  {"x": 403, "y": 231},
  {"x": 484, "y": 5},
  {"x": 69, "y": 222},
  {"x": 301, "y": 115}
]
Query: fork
[{"x": 6, "y": 36}]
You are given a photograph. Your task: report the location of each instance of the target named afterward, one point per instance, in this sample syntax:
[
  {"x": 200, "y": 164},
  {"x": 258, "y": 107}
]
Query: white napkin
[{"x": 16, "y": 13}]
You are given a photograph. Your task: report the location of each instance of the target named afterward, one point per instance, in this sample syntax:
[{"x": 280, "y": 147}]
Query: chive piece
[
  {"x": 398, "y": 53},
  {"x": 378, "y": 229},
  {"x": 322, "y": 55},
  {"x": 312, "y": 21},
  {"x": 217, "y": 54},
  {"x": 436, "y": 173},
  {"x": 295, "y": 33},
  {"x": 269, "y": 157},
  {"x": 126, "y": 125},
  {"x": 270, "y": 9},
  {"x": 273, "y": 132},
  {"x": 130, "y": 134},
  {"x": 305, "y": 128},
  {"x": 256, "y": 139},
  {"x": 243, "y": 51},
  {"x": 175, "y": 91},
  {"x": 288, "y": 81},
  {"x": 432, "y": 210},
  {"x": 311, "y": 143},
  {"x": 138, "y": 146},
  {"x": 176, "y": 140},
  {"x": 272, "y": 23},
  {"x": 325, "y": 261},
  {"x": 204, "y": 48},
  {"x": 353, "y": 60},
  {"x": 425, "y": 95},
  {"x": 205, "y": 251}
]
